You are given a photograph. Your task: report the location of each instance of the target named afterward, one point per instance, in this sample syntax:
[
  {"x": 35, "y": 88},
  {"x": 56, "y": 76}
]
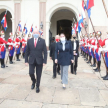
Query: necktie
[{"x": 35, "y": 43}]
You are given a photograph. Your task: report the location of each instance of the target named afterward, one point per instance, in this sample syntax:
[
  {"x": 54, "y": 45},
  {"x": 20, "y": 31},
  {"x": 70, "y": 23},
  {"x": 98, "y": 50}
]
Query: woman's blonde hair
[{"x": 72, "y": 37}]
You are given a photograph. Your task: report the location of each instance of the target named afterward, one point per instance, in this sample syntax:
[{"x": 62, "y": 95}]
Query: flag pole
[
  {"x": 97, "y": 39},
  {"x": 1, "y": 28},
  {"x": 13, "y": 39},
  {"x": 105, "y": 7},
  {"x": 22, "y": 37}
]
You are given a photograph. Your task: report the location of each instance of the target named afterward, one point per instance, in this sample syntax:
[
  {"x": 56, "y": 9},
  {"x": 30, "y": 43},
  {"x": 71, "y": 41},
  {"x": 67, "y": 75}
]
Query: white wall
[
  {"x": 54, "y": 3},
  {"x": 9, "y": 5},
  {"x": 30, "y": 13}
]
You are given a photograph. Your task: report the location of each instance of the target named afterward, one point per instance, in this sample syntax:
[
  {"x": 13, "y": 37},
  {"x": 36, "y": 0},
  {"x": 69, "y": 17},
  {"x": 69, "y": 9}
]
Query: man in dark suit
[
  {"x": 75, "y": 45},
  {"x": 36, "y": 47},
  {"x": 56, "y": 67}
]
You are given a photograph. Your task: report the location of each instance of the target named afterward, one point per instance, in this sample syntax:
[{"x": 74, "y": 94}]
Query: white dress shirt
[{"x": 74, "y": 45}]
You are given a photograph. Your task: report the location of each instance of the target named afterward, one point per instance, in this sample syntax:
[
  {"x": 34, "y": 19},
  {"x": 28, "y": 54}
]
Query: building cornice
[
  {"x": 17, "y": 1},
  {"x": 42, "y": 0}
]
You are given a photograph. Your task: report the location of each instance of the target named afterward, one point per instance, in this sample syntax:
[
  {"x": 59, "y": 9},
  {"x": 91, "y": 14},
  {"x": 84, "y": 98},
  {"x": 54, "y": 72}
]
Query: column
[
  {"x": 12, "y": 25},
  {"x": 17, "y": 11},
  {"x": 47, "y": 34},
  {"x": 42, "y": 16}
]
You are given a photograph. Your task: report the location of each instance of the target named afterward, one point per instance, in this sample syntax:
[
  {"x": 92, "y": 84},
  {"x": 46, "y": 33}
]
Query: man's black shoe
[
  {"x": 54, "y": 77},
  {"x": 95, "y": 69},
  {"x": 106, "y": 78},
  {"x": 33, "y": 86},
  {"x": 88, "y": 62},
  {"x": 58, "y": 73},
  {"x": 18, "y": 59},
  {"x": 2, "y": 66},
  {"x": 11, "y": 62},
  {"x": 94, "y": 65},
  {"x": 75, "y": 72},
  {"x": 37, "y": 90}
]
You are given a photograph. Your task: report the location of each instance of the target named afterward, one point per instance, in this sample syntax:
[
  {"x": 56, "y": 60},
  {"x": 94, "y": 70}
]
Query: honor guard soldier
[
  {"x": 87, "y": 48},
  {"x": 83, "y": 47},
  {"x": 11, "y": 47},
  {"x": 90, "y": 56},
  {"x": 17, "y": 42},
  {"x": 93, "y": 50},
  {"x": 86, "y": 40},
  {"x": 97, "y": 51},
  {"x": 24, "y": 43},
  {"x": 105, "y": 43},
  {"x": 80, "y": 43},
  {"x": 2, "y": 48}
]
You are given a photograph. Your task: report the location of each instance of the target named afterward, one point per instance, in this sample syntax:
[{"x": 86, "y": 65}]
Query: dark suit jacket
[
  {"x": 77, "y": 47},
  {"x": 36, "y": 53},
  {"x": 52, "y": 50},
  {"x": 64, "y": 57}
]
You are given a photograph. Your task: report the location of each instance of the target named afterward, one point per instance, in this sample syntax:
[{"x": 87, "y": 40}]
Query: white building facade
[{"x": 55, "y": 15}]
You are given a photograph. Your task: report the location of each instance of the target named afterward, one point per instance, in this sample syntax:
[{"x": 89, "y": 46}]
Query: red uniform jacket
[
  {"x": 1, "y": 44},
  {"x": 10, "y": 41}
]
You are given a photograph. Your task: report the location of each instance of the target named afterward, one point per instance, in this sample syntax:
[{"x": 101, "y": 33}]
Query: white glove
[
  {"x": 92, "y": 46},
  {"x": 14, "y": 44},
  {"x": 9, "y": 48},
  {"x": 105, "y": 49},
  {"x": 95, "y": 47},
  {"x": 11, "y": 44},
  {"x": 90, "y": 50},
  {"x": 86, "y": 45},
  {"x": 92, "y": 41},
  {"x": 8, "y": 43},
  {"x": 100, "y": 49}
]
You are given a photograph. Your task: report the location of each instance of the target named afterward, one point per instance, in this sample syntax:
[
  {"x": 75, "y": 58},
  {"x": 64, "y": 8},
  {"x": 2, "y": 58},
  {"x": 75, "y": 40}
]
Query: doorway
[{"x": 64, "y": 26}]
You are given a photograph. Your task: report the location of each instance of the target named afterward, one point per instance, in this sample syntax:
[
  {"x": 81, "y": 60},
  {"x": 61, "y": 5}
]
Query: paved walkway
[{"x": 85, "y": 90}]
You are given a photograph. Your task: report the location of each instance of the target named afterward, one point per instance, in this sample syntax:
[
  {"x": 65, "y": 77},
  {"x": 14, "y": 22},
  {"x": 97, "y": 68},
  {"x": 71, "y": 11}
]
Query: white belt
[{"x": 18, "y": 43}]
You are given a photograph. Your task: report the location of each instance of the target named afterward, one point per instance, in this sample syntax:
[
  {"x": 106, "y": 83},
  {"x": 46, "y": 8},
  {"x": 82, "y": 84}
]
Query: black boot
[
  {"x": 94, "y": 62},
  {"x": 98, "y": 69},
  {"x": 90, "y": 58},
  {"x": 87, "y": 56},
  {"x": 2, "y": 63},
  {"x": 94, "y": 65},
  {"x": 17, "y": 57},
  {"x": 23, "y": 55},
  {"x": 106, "y": 78},
  {"x": 10, "y": 57}
]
